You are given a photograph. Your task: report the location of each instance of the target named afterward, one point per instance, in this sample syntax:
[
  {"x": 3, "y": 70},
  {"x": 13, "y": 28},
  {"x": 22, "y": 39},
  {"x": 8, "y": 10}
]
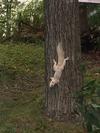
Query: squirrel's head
[{"x": 53, "y": 82}]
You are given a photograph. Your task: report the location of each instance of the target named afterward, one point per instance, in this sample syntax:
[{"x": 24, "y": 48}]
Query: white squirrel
[{"x": 58, "y": 68}]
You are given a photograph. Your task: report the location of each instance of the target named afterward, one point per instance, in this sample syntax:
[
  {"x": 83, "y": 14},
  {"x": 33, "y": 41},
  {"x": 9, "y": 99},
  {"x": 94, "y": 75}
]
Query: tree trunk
[
  {"x": 8, "y": 15},
  {"x": 62, "y": 25},
  {"x": 83, "y": 15}
]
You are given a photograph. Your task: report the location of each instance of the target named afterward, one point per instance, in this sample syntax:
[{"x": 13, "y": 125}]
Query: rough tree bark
[{"x": 62, "y": 24}]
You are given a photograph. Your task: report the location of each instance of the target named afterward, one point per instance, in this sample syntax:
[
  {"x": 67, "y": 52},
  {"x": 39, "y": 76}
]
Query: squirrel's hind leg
[
  {"x": 55, "y": 65},
  {"x": 64, "y": 63}
]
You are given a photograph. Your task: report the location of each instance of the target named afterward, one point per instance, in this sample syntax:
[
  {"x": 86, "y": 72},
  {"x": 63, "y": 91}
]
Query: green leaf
[{"x": 95, "y": 105}]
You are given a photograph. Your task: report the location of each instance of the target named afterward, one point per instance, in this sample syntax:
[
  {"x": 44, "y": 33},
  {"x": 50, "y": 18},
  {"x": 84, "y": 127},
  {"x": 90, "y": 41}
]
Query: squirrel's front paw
[{"x": 66, "y": 59}]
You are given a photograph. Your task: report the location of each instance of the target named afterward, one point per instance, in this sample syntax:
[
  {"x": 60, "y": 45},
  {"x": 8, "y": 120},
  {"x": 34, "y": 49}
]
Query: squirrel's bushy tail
[{"x": 60, "y": 53}]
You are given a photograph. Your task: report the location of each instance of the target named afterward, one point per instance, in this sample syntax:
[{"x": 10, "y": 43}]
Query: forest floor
[{"x": 22, "y": 90}]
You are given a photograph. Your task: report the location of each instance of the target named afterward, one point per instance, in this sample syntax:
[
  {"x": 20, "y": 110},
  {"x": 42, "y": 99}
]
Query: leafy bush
[
  {"x": 32, "y": 13},
  {"x": 89, "y": 105},
  {"x": 94, "y": 15}
]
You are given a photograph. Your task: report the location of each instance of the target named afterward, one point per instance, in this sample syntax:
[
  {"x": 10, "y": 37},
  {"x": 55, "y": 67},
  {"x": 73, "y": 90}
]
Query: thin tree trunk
[
  {"x": 83, "y": 15},
  {"x": 62, "y": 24},
  {"x": 8, "y": 15}
]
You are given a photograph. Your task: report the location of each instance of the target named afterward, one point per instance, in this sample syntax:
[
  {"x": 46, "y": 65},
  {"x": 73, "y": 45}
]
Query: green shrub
[{"x": 89, "y": 105}]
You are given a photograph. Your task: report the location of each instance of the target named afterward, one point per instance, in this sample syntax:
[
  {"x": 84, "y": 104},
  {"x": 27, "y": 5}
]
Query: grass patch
[
  {"x": 22, "y": 58},
  {"x": 22, "y": 92}
]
